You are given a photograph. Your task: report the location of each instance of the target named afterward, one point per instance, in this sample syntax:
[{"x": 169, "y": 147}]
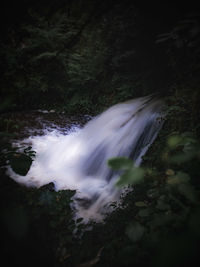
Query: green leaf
[
  {"x": 188, "y": 192},
  {"x": 174, "y": 140},
  {"x": 161, "y": 219},
  {"x": 135, "y": 231},
  {"x": 153, "y": 193},
  {"x": 144, "y": 212},
  {"x": 161, "y": 205},
  {"x": 140, "y": 204},
  {"x": 133, "y": 176},
  {"x": 182, "y": 157},
  {"x": 169, "y": 172},
  {"x": 180, "y": 177},
  {"x": 44, "y": 55},
  {"x": 120, "y": 163},
  {"x": 175, "y": 108},
  {"x": 194, "y": 222}
]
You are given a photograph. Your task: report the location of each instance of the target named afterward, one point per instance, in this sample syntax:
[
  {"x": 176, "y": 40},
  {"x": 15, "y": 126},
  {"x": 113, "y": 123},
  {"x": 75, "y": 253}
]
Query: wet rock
[{"x": 49, "y": 187}]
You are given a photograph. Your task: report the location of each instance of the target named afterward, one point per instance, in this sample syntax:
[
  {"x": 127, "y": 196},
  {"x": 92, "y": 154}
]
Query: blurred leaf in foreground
[
  {"x": 133, "y": 176},
  {"x": 135, "y": 231},
  {"x": 120, "y": 163}
]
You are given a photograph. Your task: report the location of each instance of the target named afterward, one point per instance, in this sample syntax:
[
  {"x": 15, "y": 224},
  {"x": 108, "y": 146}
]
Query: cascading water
[{"x": 78, "y": 161}]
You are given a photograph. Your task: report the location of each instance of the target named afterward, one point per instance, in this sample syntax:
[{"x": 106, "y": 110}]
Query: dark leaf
[{"x": 135, "y": 231}]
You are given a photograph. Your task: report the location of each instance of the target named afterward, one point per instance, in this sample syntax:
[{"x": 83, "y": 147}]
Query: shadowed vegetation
[{"x": 80, "y": 57}]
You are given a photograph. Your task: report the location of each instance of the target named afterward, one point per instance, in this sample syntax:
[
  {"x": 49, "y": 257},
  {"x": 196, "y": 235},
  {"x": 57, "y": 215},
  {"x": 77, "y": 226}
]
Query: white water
[{"x": 78, "y": 161}]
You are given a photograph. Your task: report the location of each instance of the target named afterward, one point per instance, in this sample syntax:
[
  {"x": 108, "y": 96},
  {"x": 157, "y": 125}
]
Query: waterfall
[{"x": 78, "y": 161}]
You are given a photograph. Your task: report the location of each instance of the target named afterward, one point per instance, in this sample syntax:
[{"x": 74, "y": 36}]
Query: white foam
[{"x": 78, "y": 161}]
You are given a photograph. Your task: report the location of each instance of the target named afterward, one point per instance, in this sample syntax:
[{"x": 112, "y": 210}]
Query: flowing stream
[{"x": 76, "y": 157}]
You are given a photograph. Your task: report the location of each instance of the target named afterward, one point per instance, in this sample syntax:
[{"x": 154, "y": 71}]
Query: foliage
[
  {"x": 80, "y": 57},
  {"x": 20, "y": 159},
  {"x": 170, "y": 203},
  {"x": 76, "y": 57}
]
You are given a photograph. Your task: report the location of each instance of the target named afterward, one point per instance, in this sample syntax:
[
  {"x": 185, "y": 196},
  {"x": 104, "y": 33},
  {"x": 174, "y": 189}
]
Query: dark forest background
[
  {"x": 85, "y": 55},
  {"x": 80, "y": 57}
]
